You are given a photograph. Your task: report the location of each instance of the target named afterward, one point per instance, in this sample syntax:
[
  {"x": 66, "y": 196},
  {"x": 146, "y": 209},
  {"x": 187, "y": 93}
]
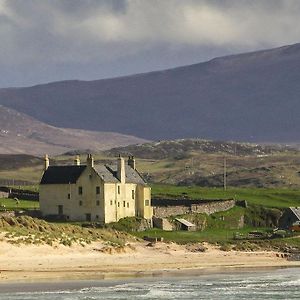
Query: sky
[{"x": 52, "y": 40}]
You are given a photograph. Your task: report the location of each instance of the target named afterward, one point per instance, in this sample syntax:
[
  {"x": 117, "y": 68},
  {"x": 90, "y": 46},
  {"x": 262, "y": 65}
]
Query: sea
[{"x": 261, "y": 284}]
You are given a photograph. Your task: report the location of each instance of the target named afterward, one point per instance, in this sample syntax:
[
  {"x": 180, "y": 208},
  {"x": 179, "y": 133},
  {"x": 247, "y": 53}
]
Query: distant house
[
  {"x": 290, "y": 216},
  {"x": 101, "y": 193}
]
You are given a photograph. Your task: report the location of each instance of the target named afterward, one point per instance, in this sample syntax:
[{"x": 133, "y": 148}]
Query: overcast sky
[{"x": 51, "y": 40}]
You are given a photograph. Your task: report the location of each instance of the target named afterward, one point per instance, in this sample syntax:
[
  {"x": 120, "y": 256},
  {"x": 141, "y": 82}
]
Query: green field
[
  {"x": 11, "y": 204},
  {"x": 276, "y": 197}
]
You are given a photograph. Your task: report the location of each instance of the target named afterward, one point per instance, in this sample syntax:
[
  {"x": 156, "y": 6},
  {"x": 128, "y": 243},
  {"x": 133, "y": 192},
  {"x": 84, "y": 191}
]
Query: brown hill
[
  {"x": 20, "y": 133},
  {"x": 250, "y": 97}
]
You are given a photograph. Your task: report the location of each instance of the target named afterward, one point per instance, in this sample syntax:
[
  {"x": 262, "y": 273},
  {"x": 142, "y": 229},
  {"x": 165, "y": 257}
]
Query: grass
[
  {"x": 27, "y": 230},
  {"x": 210, "y": 235},
  {"x": 11, "y": 204},
  {"x": 276, "y": 197}
]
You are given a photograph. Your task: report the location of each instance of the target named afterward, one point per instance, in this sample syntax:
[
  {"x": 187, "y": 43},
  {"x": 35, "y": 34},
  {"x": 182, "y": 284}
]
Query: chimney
[
  {"x": 77, "y": 160},
  {"x": 131, "y": 162},
  {"x": 90, "y": 161},
  {"x": 46, "y": 162},
  {"x": 121, "y": 169}
]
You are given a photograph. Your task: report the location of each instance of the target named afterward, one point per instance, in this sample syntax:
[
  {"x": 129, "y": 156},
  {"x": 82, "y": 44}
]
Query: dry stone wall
[
  {"x": 162, "y": 223},
  {"x": 205, "y": 207}
]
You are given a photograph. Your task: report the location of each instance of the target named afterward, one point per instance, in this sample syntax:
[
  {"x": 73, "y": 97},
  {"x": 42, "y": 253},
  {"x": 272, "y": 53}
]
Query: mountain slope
[
  {"x": 184, "y": 148},
  {"x": 20, "y": 133},
  {"x": 247, "y": 97}
]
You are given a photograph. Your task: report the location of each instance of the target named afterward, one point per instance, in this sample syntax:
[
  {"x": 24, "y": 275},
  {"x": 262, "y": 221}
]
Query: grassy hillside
[
  {"x": 279, "y": 170},
  {"x": 201, "y": 162},
  {"x": 24, "y": 229},
  {"x": 279, "y": 198}
]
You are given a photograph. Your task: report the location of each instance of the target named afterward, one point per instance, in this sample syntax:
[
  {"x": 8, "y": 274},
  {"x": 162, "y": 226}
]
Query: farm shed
[{"x": 186, "y": 225}]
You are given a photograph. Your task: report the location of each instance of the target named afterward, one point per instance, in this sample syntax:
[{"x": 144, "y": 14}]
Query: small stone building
[
  {"x": 99, "y": 193},
  {"x": 289, "y": 217},
  {"x": 185, "y": 225}
]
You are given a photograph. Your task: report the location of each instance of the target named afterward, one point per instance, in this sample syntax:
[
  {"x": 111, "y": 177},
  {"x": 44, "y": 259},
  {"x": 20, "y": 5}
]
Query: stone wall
[
  {"x": 212, "y": 207},
  {"x": 207, "y": 207},
  {"x": 167, "y": 211},
  {"x": 162, "y": 223},
  {"x": 3, "y": 194}
]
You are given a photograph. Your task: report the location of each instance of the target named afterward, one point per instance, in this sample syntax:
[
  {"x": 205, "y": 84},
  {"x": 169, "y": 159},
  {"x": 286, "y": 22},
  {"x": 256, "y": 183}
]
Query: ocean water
[{"x": 272, "y": 284}]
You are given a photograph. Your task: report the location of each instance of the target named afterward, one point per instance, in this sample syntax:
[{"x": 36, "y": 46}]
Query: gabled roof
[
  {"x": 105, "y": 174},
  {"x": 185, "y": 222},
  {"x": 131, "y": 175},
  {"x": 62, "y": 174},
  {"x": 71, "y": 173},
  {"x": 296, "y": 211}
]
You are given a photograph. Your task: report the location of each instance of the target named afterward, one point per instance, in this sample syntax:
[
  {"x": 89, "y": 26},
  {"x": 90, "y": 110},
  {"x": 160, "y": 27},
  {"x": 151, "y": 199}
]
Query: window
[
  {"x": 127, "y": 204},
  {"x": 80, "y": 190},
  {"x": 69, "y": 196},
  {"x": 119, "y": 190},
  {"x": 111, "y": 202},
  {"x": 147, "y": 202},
  {"x": 97, "y": 217},
  {"x": 80, "y": 203},
  {"x": 97, "y": 190},
  {"x": 118, "y": 204},
  {"x": 132, "y": 194},
  {"x": 124, "y": 204},
  {"x": 97, "y": 202}
]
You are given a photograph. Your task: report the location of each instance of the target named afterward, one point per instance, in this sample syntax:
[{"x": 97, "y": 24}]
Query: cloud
[{"x": 56, "y": 32}]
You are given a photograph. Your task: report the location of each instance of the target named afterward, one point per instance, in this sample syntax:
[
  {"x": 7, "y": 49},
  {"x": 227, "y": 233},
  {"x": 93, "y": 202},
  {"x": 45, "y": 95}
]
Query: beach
[{"x": 31, "y": 263}]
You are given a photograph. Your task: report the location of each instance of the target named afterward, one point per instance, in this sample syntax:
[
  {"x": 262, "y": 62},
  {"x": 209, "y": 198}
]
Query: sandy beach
[{"x": 96, "y": 261}]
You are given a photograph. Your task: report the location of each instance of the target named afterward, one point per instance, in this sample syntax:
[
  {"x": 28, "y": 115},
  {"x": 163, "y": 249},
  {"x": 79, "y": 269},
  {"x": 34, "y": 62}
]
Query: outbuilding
[
  {"x": 186, "y": 225},
  {"x": 290, "y": 216}
]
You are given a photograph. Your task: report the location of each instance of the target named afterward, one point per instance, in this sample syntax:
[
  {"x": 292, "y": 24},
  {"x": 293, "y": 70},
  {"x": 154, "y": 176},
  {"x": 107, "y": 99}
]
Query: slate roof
[
  {"x": 62, "y": 174},
  {"x": 132, "y": 176},
  {"x": 185, "y": 222},
  {"x": 296, "y": 211},
  {"x": 70, "y": 174},
  {"x": 105, "y": 174}
]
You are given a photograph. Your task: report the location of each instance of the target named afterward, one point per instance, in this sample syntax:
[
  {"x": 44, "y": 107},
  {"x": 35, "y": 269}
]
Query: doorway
[
  {"x": 60, "y": 210},
  {"x": 88, "y": 217}
]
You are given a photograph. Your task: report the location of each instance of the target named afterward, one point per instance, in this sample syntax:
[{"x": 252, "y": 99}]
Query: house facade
[{"x": 98, "y": 193}]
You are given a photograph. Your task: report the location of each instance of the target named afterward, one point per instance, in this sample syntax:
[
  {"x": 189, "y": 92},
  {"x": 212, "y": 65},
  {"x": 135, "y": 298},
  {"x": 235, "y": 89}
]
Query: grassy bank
[
  {"x": 275, "y": 197},
  {"x": 11, "y": 204},
  {"x": 28, "y": 230}
]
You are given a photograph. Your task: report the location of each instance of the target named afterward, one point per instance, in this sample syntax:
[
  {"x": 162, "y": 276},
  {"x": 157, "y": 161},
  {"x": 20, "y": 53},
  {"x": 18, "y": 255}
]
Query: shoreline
[
  {"x": 52, "y": 285},
  {"x": 38, "y": 264}
]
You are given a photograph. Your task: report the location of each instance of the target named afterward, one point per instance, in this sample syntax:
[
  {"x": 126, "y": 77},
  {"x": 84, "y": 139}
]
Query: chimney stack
[
  {"x": 131, "y": 162},
  {"x": 90, "y": 161},
  {"x": 46, "y": 162},
  {"x": 77, "y": 160},
  {"x": 121, "y": 169}
]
